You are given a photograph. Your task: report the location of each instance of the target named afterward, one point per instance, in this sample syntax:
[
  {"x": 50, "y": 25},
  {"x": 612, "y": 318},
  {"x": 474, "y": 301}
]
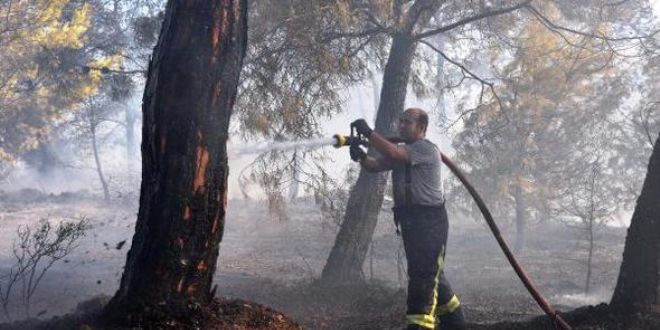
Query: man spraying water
[{"x": 419, "y": 210}]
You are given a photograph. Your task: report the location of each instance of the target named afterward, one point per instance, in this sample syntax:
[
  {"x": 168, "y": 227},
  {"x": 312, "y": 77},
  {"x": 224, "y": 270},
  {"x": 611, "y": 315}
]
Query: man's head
[{"x": 413, "y": 124}]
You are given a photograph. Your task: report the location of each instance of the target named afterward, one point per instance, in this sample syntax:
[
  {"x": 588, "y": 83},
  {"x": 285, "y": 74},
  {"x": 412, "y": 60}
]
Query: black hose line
[{"x": 527, "y": 281}]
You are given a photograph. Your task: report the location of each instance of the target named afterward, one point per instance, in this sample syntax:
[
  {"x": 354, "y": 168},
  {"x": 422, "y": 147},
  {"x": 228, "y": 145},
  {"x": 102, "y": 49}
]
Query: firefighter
[{"x": 419, "y": 212}]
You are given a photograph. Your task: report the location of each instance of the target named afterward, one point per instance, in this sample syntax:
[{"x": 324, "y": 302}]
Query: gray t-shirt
[{"x": 425, "y": 181}]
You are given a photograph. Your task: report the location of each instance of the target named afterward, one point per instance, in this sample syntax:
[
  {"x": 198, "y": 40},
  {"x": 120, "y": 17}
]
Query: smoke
[
  {"x": 74, "y": 171},
  {"x": 601, "y": 295}
]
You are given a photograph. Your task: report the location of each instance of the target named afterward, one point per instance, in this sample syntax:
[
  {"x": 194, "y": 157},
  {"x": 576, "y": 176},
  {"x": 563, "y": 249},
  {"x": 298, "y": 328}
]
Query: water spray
[
  {"x": 283, "y": 146},
  {"x": 337, "y": 141}
]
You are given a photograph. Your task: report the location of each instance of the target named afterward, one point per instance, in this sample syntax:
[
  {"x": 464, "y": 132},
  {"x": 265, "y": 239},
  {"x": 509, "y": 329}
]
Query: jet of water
[{"x": 282, "y": 145}]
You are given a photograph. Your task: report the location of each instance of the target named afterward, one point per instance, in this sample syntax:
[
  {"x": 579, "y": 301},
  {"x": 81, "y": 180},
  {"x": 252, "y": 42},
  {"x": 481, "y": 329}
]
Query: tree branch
[
  {"x": 645, "y": 122},
  {"x": 371, "y": 18},
  {"x": 106, "y": 70},
  {"x": 466, "y": 70},
  {"x": 359, "y": 34},
  {"x": 557, "y": 27},
  {"x": 485, "y": 14},
  {"x": 8, "y": 12},
  {"x": 417, "y": 9}
]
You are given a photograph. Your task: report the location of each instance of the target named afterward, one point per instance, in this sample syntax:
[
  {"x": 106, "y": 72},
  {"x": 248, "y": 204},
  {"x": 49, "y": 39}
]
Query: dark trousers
[{"x": 424, "y": 230}]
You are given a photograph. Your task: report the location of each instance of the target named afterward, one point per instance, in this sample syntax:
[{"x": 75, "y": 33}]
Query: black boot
[
  {"x": 415, "y": 327},
  {"x": 452, "y": 321}
]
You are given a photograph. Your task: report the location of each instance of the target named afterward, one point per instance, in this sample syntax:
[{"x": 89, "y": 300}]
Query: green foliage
[
  {"x": 557, "y": 90},
  {"x": 48, "y": 66},
  {"x": 302, "y": 55},
  {"x": 302, "y": 58}
]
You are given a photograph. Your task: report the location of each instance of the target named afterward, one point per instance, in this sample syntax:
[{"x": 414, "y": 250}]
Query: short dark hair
[{"x": 422, "y": 117}]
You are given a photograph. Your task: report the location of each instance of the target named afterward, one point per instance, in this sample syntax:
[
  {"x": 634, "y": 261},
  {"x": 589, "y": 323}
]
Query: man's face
[{"x": 409, "y": 128}]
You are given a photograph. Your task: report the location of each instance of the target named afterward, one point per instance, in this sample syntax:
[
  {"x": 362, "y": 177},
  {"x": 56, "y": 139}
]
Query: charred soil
[
  {"x": 264, "y": 262},
  {"x": 217, "y": 315},
  {"x": 243, "y": 315}
]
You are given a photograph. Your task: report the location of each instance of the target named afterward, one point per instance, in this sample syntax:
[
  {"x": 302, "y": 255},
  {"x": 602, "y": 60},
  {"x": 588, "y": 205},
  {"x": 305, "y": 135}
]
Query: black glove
[
  {"x": 362, "y": 127},
  {"x": 357, "y": 154}
]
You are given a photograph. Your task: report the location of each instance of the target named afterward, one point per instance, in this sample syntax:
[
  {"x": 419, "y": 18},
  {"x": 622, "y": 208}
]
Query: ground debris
[{"x": 220, "y": 314}]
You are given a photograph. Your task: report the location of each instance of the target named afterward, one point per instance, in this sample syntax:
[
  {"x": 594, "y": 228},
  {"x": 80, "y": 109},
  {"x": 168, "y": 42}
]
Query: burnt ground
[{"x": 265, "y": 262}]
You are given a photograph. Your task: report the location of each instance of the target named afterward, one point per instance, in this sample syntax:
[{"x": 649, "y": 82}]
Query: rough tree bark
[
  {"x": 347, "y": 256},
  {"x": 352, "y": 243},
  {"x": 638, "y": 285},
  {"x": 349, "y": 251},
  {"x": 187, "y": 104}
]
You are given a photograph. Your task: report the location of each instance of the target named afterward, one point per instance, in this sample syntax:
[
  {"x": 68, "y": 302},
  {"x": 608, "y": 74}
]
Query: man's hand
[
  {"x": 362, "y": 127},
  {"x": 357, "y": 154}
]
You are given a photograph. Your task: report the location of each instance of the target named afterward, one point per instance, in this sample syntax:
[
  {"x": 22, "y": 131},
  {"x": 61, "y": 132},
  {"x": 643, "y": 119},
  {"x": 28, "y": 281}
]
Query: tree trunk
[
  {"x": 440, "y": 83},
  {"x": 130, "y": 139},
  {"x": 187, "y": 104},
  {"x": 374, "y": 86},
  {"x": 97, "y": 161},
  {"x": 521, "y": 218},
  {"x": 295, "y": 178},
  {"x": 590, "y": 253},
  {"x": 590, "y": 221},
  {"x": 638, "y": 284},
  {"x": 349, "y": 251}
]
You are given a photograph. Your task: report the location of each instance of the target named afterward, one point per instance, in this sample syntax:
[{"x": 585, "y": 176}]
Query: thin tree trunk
[
  {"x": 295, "y": 178},
  {"x": 440, "y": 83},
  {"x": 352, "y": 243},
  {"x": 374, "y": 87},
  {"x": 187, "y": 104},
  {"x": 590, "y": 233},
  {"x": 638, "y": 284},
  {"x": 97, "y": 161},
  {"x": 130, "y": 138},
  {"x": 521, "y": 219},
  {"x": 349, "y": 251},
  {"x": 590, "y": 227}
]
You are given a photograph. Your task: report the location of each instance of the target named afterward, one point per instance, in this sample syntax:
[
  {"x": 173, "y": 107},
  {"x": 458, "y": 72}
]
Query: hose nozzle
[
  {"x": 344, "y": 140},
  {"x": 341, "y": 140}
]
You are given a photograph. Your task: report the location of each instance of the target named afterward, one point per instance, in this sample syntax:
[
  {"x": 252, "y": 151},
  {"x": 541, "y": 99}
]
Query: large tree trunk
[
  {"x": 350, "y": 249},
  {"x": 639, "y": 279},
  {"x": 187, "y": 105}
]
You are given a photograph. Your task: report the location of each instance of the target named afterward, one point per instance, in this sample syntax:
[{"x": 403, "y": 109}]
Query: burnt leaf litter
[
  {"x": 381, "y": 307},
  {"x": 303, "y": 304}
]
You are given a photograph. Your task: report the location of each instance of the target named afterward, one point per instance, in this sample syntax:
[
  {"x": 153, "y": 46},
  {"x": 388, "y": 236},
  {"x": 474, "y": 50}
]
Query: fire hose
[{"x": 527, "y": 281}]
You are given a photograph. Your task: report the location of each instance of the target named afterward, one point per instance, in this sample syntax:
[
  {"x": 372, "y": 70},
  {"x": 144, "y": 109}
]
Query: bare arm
[{"x": 388, "y": 149}]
